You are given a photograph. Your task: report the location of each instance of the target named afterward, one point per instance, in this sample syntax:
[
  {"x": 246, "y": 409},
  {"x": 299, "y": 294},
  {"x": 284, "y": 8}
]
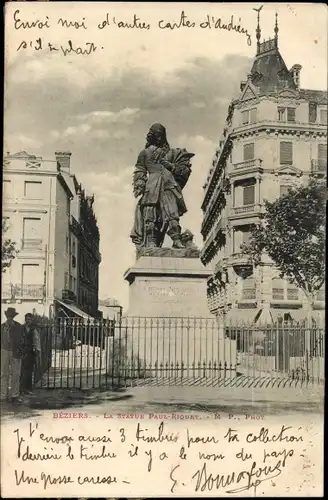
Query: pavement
[{"x": 170, "y": 399}]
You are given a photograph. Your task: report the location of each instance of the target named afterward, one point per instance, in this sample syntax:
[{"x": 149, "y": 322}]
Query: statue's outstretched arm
[{"x": 139, "y": 176}]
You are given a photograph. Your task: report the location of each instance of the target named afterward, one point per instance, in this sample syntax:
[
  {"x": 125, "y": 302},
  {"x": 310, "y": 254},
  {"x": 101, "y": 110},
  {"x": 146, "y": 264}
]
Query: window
[
  {"x": 244, "y": 117},
  {"x": 249, "y": 291},
  {"x": 33, "y": 190},
  {"x": 323, "y": 116},
  {"x": 249, "y": 116},
  {"x": 73, "y": 261},
  {"x": 284, "y": 189},
  {"x": 252, "y": 115},
  {"x": 286, "y": 114},
  {"x": 286, "y": 153},
  {"x": 68, "y": 204},
  {"x": 313, "y": 108},
  {"x": 73, "y": 248},
  {"x": 66, "y": 280},
  {"x": 7, "y": 188},
  {"x": 249, "y": 151},
  {"x": 32, "y": 233},
  {"x": 66, "y": 244},
  {"x": 249, "y": 195},
  {"x": 278, "y": 289},
  {"x": 292, "y": 292},
  {"x": 31, "y": 274}
]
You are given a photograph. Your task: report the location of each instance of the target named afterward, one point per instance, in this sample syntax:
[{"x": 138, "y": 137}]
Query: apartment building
[
  {"x": 40, "y": 199},
  {"x": 275, "y": 137}
]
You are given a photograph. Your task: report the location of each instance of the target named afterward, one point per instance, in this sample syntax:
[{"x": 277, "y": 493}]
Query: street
[{"x": 202, "y": 402}]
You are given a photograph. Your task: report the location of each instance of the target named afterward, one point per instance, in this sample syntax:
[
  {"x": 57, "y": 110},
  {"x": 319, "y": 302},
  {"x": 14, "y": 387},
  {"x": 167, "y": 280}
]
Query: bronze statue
[{"x": 160, "y": 175}]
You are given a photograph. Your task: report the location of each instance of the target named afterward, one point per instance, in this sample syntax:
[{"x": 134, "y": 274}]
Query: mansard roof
[
  {"x": 317, "y": 96},
  {"x": 269, "y": 72}
]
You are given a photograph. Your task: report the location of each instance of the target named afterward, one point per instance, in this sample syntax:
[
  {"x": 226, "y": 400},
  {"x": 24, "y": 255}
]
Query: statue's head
[{"x": 156, "y": 135}]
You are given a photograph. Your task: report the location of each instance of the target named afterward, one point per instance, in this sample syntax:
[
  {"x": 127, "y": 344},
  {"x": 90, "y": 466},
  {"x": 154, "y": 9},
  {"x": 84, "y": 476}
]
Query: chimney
[
  {"x": 63, "y": 159},
  {"x": 295, "y": 72}
]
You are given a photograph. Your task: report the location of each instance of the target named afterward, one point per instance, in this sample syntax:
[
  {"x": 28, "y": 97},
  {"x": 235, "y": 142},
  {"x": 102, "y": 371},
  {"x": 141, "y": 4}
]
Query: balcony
[
  {"x": 278, "y": 293},
  {"x": 68, "y": 296},
  {"x": 6, "y": 291},
  {"x": 319, "y": 166},
  {"x": 288, "y": 297},
  {"x": 242, "y": 264},
  {"x": 240, "y": 259},
  {"x": 249, "y": 294},
  {"x": 32, "y": 244},
  {"x": 22, "y": 292},
  {"x": 29, "y": 291},
  {"x": 247, "y": 166},
  {"x": 245, "y": 211}
]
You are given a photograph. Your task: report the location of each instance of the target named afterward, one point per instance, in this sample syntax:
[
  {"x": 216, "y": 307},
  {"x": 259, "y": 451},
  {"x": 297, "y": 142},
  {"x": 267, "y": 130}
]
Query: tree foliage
[
  {"x": 292, "y": 233},
  {"x": 8, "y": 248}
]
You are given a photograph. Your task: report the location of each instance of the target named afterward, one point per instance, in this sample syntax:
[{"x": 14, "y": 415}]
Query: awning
[
  {"x": 237, "y": 316},
  {"x": 75, "y": 310}
]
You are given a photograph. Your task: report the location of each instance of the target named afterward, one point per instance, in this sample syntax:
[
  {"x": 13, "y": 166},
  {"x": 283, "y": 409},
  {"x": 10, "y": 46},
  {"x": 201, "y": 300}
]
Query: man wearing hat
[{"x": 11, "y": 353}]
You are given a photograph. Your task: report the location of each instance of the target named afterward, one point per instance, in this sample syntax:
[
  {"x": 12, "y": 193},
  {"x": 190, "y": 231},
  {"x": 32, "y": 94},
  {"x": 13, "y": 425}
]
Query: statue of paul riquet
[{"x": 160, "y": 175}]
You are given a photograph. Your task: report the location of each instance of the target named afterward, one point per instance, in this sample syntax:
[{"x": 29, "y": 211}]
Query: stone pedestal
[
  {"x": 169, "y": 285},
  {"x": 169, "y": 330}
]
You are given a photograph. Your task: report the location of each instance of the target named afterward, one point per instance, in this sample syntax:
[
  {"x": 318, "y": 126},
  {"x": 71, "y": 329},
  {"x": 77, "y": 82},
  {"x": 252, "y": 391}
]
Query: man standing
[
  {"x": 31, "y": 354},
  {"x": 11, "y": 354}
]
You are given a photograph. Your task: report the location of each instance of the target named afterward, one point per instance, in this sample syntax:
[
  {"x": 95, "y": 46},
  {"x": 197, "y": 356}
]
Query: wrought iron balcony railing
[
  {"x": 246, "y": 209},
  {"x": 278, "y": 293},
  {"x": 29, "y": 292},
  {"x": 249, "y": 294},
  {"x": 256, "y": 162},
  {"x": 240, "y": 259}
]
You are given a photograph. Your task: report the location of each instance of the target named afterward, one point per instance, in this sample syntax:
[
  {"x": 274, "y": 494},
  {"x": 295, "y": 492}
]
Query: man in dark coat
[
  {"x": 31, "y": 354},
  {"x": 11, "y": 354}
]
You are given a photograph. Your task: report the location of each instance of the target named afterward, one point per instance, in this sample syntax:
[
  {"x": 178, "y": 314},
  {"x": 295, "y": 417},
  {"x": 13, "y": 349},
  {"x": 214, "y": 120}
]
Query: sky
[{"x": 100, "y": 106}]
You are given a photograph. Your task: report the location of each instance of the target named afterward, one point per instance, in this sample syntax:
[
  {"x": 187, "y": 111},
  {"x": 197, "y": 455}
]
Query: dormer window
[
  {"x": 248, "y": 116},
  {"x": 286, "y": 114}
]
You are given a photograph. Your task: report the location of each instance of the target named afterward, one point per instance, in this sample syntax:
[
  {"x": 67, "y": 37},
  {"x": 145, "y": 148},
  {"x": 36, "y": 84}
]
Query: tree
[
  {"x": 8, "y": 248},
  {"x": 292, "y": 233}
]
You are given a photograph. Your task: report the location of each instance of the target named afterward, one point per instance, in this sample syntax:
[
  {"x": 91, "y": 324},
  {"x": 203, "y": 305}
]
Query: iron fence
[{"x": 178, "y": 351}]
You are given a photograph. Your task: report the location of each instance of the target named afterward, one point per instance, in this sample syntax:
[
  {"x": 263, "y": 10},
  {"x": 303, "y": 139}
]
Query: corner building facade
[{"x": 274, "y": 138}]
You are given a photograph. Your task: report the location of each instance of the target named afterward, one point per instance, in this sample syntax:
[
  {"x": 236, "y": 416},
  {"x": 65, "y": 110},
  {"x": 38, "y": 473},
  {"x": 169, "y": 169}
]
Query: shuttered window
[
  {"x": 249, "y": 195},
  {"x": 244, "y": 117},
  {"x": 323, "y": 116},
  {"x": 290, "y": 114},
  {"x": 322, "y": 151},
  {"x": 286, "y": 153},
  {"x": 278, "y": 287},
  {"x": 249, "y": 151},
  {"x": 313, "y": 112},
  {"x": 292, "y": 292},
  {"x": 249, "y": 291},
  {"x": 286, "y": 114}
]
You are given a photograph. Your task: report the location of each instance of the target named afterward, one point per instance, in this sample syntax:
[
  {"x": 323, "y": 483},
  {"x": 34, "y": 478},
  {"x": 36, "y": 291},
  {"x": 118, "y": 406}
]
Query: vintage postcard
[{"x": 163, "y": 241}]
